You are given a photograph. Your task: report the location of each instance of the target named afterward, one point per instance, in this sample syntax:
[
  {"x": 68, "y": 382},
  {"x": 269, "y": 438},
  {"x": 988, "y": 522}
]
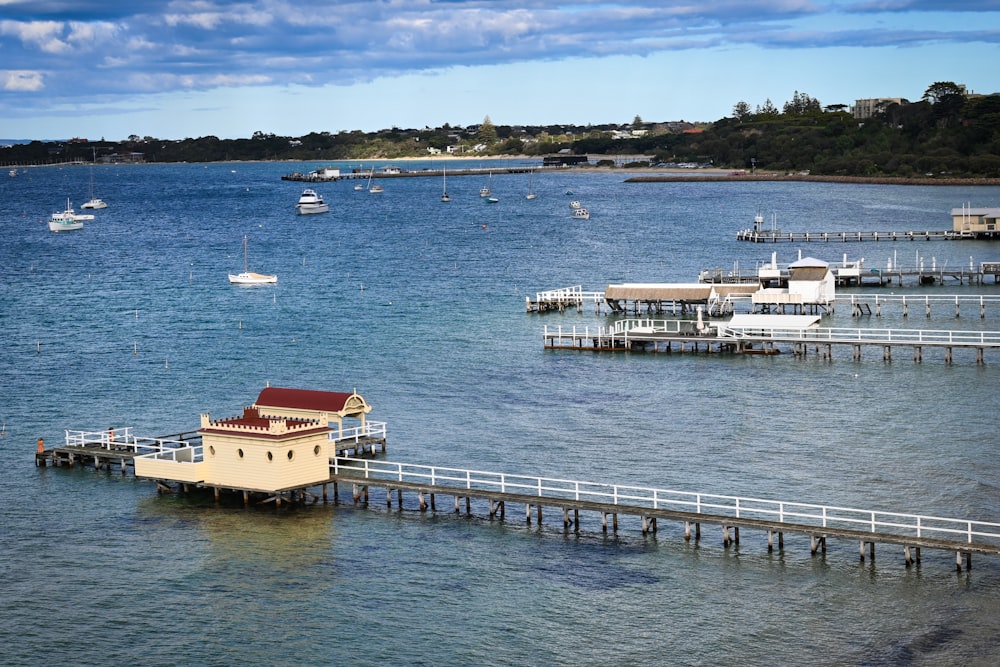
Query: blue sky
[{"x": 191, "y": 68}]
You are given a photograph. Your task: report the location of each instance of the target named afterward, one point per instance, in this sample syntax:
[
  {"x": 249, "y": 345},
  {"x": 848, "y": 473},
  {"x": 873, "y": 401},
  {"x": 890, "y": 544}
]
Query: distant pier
[
  {"x": 314, "y": 177},
  {"x": 648, "y": 335},
  {"x": 763, "y": 236}
]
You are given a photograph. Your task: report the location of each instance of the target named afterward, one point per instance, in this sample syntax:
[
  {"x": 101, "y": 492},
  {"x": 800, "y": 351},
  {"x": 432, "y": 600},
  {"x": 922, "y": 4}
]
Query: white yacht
[{"x": 311, "y": 202}]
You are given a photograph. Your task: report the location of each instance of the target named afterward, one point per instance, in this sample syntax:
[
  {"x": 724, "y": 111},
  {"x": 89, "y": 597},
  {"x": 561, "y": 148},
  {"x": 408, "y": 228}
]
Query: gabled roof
[{"x": 304, "y": 399}]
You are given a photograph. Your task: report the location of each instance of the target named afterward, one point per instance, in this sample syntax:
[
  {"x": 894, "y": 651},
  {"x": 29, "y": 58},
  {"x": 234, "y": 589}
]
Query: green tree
[
  {"x": 487, "y": 132},
  {"x": 741, "y": 111}
]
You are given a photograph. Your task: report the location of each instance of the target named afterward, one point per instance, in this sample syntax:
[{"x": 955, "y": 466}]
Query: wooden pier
[
  {"x": 117, "y": 448},
  {"x": 764, "y": 236},
  {"x": 439, "y": 173},
  {"x": 819, "y": 523},
  {"x": 951, "y": 304},
  {"x": 638, "y": 335}
]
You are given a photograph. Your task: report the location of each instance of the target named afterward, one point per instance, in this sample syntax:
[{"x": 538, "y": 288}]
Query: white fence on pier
[
  {"x": 918, "y": 337},
  {"x": 369, "y": 430},
  {"x": 636, "y": 499}
]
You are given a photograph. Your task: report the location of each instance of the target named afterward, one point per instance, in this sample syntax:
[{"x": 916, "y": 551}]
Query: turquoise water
[{"x": 420, "y": 306}]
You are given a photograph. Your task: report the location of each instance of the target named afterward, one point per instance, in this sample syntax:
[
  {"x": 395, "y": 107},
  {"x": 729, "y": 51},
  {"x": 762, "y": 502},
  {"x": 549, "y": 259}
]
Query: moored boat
[
  {"x": 311, "y": 202},
  {"x": 581, "y": 213},
  {"x": 248, "y": 277},
  {"x": 68, "y": 220}
]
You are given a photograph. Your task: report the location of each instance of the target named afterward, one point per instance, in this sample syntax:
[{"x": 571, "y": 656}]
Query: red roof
[{"x": 304, "y": 399}]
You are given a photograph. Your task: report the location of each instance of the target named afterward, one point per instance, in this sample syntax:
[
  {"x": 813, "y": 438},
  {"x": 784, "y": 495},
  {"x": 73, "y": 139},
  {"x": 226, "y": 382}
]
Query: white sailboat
[
  {"x": 485, "y": 192},
  {"x": 248, "y": 277},
  {"x": 373, "y": 187},
  {"x": 444, "y": 185},
  {"x": 531, "y": 193},
  {"x": 93, "y": 202}
]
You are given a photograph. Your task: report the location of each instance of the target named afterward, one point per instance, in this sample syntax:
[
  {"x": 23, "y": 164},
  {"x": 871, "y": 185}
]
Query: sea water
[{"x": 419, "y": 306}]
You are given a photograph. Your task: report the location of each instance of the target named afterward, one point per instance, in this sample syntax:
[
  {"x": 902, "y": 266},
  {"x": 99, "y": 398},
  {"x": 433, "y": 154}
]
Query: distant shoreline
[{"x": 869, "y": 180}]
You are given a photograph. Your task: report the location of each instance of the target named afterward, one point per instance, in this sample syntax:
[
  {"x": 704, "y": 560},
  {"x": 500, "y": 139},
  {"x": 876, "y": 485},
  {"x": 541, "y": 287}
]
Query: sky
[{"x": 193, "y": 68}]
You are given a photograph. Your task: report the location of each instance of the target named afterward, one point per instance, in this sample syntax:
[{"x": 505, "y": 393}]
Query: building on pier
[
  {"x": 811, "y": 287},
  {"x": 976, "y": 221},
  {"x": 282, "y": 442}
]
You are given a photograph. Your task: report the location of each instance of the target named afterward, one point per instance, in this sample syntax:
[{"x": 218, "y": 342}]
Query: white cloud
[{"x": 24, "y": 81}]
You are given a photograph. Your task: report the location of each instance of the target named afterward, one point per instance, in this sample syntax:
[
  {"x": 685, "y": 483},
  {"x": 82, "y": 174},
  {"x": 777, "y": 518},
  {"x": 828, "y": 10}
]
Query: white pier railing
[
  {"x": 861, "y": 335},
  {"x": 636, "y": 499},
  {"x": 370, "y": 429},
  {"x": 122, "y": 439}
]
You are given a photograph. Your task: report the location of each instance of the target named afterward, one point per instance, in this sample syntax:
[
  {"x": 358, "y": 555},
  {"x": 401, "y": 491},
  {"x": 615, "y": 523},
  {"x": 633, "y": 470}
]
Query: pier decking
[
  {"x": 118, "y": 447},
  {"x": 910, "y": 532},
  {"x": 763, "y": 236},
  {"x": 439, "y": 173},
  {"x": 663, "y": 335}
]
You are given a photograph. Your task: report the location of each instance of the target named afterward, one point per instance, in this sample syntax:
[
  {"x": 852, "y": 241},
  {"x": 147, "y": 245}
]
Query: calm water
[{"x": 420, "y": 306}]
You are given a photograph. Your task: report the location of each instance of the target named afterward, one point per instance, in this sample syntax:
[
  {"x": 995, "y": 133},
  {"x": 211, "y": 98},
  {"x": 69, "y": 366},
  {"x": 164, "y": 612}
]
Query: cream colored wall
[{"x": 255, "y": 471}]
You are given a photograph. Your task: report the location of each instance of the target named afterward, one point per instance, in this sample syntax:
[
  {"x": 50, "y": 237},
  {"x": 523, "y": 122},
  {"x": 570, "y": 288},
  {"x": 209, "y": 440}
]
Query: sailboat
[
  {"x": 531, "y": 193},
  {"x": 248, "y": 277},
  {"x": 373, "y": 187},
  {"x": 444, "y": 185},
  {"x": 358, "y": 186},
  {"x": 93, "y": 202},
  {"x": 485, "y": 192}
]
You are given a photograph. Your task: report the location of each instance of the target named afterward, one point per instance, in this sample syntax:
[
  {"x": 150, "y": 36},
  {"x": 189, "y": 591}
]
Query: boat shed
[
  {"x": 330, "y": 407},
  {"x": 976, "y": 221},
  {"x": 811, "y": 287},
  {"x": 658, "y": 297}
]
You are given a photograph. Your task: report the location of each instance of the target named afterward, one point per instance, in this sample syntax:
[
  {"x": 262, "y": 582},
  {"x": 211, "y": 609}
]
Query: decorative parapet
[{"x": 252, "y": 423}]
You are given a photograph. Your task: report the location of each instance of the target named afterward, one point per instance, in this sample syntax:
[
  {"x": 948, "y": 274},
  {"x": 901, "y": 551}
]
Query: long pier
[
  {"x": 910, "y": 532},
  {"x": 866, "y": 528},
  {"x": 663, "y": 335},
  {"x": 364, "y": 175},
  {"x": 764, "y": 236}
]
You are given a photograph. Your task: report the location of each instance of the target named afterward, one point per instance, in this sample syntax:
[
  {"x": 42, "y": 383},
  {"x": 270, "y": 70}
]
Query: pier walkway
[
  {"x": 764, "y": 236},
  {"x": 118, "y": 447},
  {"x": 865, "y": 527},
  {"x": 654, "y": 335},
  {"x": 868, "y": 305}
]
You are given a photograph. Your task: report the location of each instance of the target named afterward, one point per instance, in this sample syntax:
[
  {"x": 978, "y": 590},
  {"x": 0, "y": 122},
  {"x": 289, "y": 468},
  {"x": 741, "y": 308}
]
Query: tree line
[{"x": 945, "y": 133}]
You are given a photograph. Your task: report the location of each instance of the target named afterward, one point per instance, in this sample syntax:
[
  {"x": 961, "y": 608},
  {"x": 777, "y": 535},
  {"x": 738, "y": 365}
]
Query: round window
[
  {"x": 240, "y": 452},
  {"x": 270, "y": 456},
  {"x": 291, "y": 455},
  {"x": 317, "y": 449}
]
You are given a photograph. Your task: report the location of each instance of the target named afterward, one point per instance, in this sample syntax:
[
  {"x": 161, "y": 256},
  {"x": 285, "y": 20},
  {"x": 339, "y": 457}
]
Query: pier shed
[
  {"x": 811, "y": 287},
  {"x": 976, "y": 221},
  {"x": 659, "y": 297},
  {"x": 330, "y": 407}
]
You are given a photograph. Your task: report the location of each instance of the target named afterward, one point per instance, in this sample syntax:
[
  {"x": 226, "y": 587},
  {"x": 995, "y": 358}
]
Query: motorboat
[
  {"x": 68, "y": 220},
  {"x": 581, "y": 213},
  {"x": 311, "y": 202},
  {"x": 248, "y": 277},
  {"x": 485, "y": 192},
  {"x": 574, "y": 204}
]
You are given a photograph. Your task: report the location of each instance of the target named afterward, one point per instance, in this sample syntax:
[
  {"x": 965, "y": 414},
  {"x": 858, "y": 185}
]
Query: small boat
[
  {"x": 376, "y": 188},
  {"x": 12, "y": 173},
  {"x": 531, "y": 193},
  {"x": 310, "y": 202},
  {"x": 491, "y": 200},
  {"x": 248, "y": 277},
  {"x": 574, "y": 204},
  {"x": 68, "y": 220},
  {"x": 373, "y": 187},
  {"x": 444, "y": 185},
  {"x": 581, "y": 213},
  {"x": 358, "y": 186},
  {"x": 485, "y": 192}
]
